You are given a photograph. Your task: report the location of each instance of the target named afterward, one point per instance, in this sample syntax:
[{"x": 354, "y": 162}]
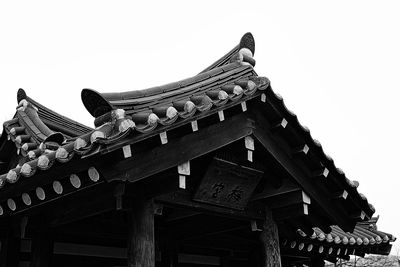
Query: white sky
[{"x": 335, "y": 63}]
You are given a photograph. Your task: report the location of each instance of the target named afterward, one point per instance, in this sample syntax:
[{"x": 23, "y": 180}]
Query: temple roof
[{"x": 121, "y": 119}]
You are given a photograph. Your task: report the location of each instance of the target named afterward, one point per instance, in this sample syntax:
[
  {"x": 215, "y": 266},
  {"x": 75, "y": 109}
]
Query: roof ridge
[{"x": 238, "y": 61}]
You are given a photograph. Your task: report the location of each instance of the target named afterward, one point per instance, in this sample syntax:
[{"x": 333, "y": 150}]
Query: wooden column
[
  {"x": 270, "y": 239},
  {"x": 41, "y": 249},
  {"x": 141, "y": 249}
]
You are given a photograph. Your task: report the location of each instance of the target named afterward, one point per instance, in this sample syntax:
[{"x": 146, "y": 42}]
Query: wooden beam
[
  {"x": 291, "y": 212},
  {"x": 287, "y": 199},
  {"x": 141, "y": 245},
  {"x": 184, "y": 199},
  {"x": 214, "y": 232},
  {"x": 270, "y": 240},
  {"x": 271, "y": 191},
  {"x": 335, "y": 213},
  {"x": 181, "y": 214},
  {"x": 83, "y": 204},
  {"x": 199, "y": 259},
  {"x": 178, "y": 151}
]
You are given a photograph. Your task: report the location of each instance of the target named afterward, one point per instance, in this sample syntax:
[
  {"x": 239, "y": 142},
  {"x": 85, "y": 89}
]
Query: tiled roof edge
[{"x": 54, "y": 120}]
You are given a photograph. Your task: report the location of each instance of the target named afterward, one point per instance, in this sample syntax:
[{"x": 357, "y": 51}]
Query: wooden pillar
[
  {"x": 141, "y": 249},
  {"x": 270, "y": 239},
  {"x": 41, "y": 249}
]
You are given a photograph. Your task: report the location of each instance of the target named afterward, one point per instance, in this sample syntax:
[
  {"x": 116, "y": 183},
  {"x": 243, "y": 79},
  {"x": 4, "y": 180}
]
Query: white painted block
[
  {"x": 182, "y": 181},
  {"x": 184, "y": 168},
  {"x": 221, "y": 115},
  {"x": 127, "y": 151},
  {"x": 244, "y": 106},
  {"x": 164, "y": 138},
  {"x": 194, "y": 126}
]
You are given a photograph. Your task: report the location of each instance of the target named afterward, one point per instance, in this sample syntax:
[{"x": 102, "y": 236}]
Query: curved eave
[
  {"x": 363, "y": 240},
  {"x": 54, "y": 120},
  {"x": 146, "y": 100}
]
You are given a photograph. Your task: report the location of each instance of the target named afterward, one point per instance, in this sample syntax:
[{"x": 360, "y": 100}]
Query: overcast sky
[{"x": 336, "y": 65}]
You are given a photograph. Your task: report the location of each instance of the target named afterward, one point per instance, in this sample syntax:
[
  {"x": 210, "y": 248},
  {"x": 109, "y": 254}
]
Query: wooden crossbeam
[
  {"x": 180, "y": 214},
  {"x": 184, "y": 199},
  {"x": 82, "y": 205},
  {"x": 179, "y": 150},
  {"x": 271, "y": 191},
  {"x": 291, "y": 212},
  {"x": 207, "y": 232},
  {"x": 287, "y": 199}
]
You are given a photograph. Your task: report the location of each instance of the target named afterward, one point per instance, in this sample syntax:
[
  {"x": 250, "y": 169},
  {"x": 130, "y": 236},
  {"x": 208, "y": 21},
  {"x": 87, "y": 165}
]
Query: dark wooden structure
[{"x": 212, "y": 170}]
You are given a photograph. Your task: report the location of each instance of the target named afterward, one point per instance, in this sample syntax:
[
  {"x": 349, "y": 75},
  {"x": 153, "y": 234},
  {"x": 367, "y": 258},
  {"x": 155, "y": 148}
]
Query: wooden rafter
[{"x": 263, "y": 134}]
